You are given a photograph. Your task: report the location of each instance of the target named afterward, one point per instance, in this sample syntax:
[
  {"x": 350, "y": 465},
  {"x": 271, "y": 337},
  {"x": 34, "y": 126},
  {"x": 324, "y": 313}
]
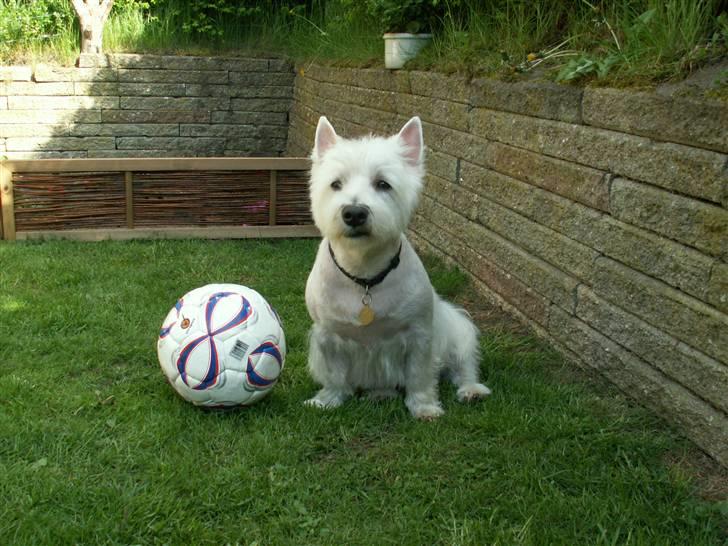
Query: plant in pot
[{"x": 407, "y": 26}]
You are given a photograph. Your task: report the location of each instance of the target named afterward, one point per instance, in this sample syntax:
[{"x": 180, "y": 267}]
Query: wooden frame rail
[{"x": 127, "y": 168}]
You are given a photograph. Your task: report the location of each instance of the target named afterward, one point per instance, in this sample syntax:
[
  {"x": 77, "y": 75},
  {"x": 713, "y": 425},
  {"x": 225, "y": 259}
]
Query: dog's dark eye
[
  {"x": 382, "y": 185},
  {"x": 336, "y": 185}
]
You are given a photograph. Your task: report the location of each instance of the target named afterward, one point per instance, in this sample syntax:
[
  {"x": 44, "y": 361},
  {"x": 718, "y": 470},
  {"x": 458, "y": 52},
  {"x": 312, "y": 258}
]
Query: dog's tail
[{"x": 456, "y": 340}]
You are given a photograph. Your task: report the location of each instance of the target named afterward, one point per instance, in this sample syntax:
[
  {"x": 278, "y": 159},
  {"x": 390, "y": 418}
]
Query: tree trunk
[{"x": 92, "y": 15}]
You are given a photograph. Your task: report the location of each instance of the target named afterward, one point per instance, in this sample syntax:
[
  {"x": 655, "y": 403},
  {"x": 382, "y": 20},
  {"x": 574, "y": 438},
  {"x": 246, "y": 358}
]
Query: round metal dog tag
[{"x": 366, "y": 316}]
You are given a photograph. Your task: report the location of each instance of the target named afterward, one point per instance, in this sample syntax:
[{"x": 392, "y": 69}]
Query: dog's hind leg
[{"x": 460, "y": 350}]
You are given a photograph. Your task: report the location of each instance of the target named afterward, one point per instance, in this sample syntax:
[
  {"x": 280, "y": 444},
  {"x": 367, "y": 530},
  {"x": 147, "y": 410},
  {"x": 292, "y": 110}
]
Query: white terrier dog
[{"x": 378, "y": 323}]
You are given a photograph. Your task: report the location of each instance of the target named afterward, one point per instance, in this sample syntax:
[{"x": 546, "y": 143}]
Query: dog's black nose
[{"x": 354, "y": 216}]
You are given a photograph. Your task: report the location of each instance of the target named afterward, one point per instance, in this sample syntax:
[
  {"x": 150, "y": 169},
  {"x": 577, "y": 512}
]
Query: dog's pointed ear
[
  {"x": 411, "y": 137},
  {"x": 326, "y": 137}
]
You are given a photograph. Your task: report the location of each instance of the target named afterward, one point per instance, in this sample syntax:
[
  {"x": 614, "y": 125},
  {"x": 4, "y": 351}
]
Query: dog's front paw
[
  {"x": 426, "y": 409},
  {"x": 473, "y": 391},
  {"x": 427, "y": 412},
  {"x": 423, "y": 405},
  {"x": 316, "y": 403},
  {"x": 327, "y": 399}
]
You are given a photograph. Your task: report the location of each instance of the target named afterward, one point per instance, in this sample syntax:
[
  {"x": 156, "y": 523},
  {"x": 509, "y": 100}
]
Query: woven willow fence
[{"x": 94, "y": 199}]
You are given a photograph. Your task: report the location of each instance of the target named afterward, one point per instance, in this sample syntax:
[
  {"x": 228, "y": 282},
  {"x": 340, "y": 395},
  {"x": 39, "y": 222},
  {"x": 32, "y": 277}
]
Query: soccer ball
[{"x": 222, "y": 345}]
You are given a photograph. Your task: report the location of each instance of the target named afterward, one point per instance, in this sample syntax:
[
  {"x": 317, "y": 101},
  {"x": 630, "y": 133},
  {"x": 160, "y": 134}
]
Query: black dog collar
[{"x": 373, "y": 281}]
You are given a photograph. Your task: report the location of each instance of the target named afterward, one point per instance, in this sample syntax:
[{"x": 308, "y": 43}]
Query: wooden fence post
[
  {"x": 8, "y": 205},
  {"x": 129, "y": 190},
  {"x": 273, "y": 201}
]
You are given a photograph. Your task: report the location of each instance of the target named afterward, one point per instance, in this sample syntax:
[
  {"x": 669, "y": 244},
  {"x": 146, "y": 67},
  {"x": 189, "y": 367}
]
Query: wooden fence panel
[
  {"x": 68, "y": 201},
  {"x": 293, "y": 207},
  {"x": 93, "y": 199},
  {"x": 186, "y": 198}
]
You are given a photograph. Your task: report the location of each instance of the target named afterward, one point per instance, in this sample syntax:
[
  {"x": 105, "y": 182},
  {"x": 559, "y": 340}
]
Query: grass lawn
[{"x": 95, "y": 447}]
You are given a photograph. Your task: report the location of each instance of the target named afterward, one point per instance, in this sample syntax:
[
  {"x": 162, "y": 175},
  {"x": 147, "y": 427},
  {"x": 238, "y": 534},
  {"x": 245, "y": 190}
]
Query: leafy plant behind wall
[
  {"x": 413, "y": 16},
  {"x": 27, "y": 23}
]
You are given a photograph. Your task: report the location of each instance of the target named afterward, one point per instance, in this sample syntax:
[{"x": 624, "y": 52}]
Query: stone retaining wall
[
  {"x": 146, "y": 106},
  {"x": 596, "y": 216}
]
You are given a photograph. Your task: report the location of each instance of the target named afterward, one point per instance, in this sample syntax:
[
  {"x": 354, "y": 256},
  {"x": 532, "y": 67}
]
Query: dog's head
[{"x": 365, "y": 190}]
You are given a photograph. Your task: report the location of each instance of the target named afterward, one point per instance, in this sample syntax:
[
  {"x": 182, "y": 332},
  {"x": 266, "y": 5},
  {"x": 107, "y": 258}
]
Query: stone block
[
  {"x": 300, "y": 139},
  {"x": 232, "y": 131},
  {"x": 701, "y": 374},
  {"x": 691, "y": 171},
  {"x": 205, "y": 90},
  {"x": 174, "y": 103},
  {"x": 155, "y": 116},
  {"x": 562, "y": 252},
  {"x": 442, "y": 165},
  {"x": 304, "y": 114},
  {"x": 440, "y": 86},
  {"x": 28, "y": 102},
  {"x": 545, "y": 279},
  {"x": 213, "y": 146},
  {"x": 280, "y": 65},
  {"x": 263, "y": 92},
  {"x": 665, "y": 308},
  {"x": 702, "y": 122},
  {"x": 16, "y": 73},
  {"x": 46, "y": 73},
  {"x": 33, "y": 130},
  {"x": 539, "y": 99},
  {"x": 248, "y": 153},
  {"x": 674, "y": 263},
  {"x": 93, "y": 60},
  {"x": 262, "y": 105},
  {"x": 153, "y": 89},
  {"x": 718, "y": 287},
  {"x": 571, "y": 180},
  {"x": 3, "y": 103},
  {"x": 249, "y": 64},
  {"x": 95, "y": 88},
  {"x": 294, "y": 149},
  {"x": 368, "y": 78},
  {"x": 689, "y": 221},
  {"x": 250, "y": 118},
  {"x": 373, "y": 120},
  {"x": 441, "y": 112},
  {"x": 261, "y": 78},
  {"x": 677, "y": 265},
  {"x": 33, "y": 88},
  {"x": 701, "y": 422},
  {"x": 186, "y": 63},
  {"x": 359, "y": 96},
  {"x": 136, "y": 153},
  {"x": 425, "y": 247},
  {"x": 124, "y": 129},
  {"x": 497, "y": 280},
  {"x": 172, "y": 76},
  {"x": 46, "y": 155},
  {"x": 62, "y": 143},
  {"x": 456, "y": 143},
  {"x": 49, "y": 116},
  {"x": 262, "y": 143}
]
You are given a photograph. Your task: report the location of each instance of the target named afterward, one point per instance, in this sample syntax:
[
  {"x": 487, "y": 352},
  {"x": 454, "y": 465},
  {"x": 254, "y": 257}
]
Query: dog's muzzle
[{"x": 355, "y": 217}]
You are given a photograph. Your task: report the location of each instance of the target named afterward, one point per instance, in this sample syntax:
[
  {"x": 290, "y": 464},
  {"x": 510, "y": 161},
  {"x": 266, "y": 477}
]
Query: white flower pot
[{"x": 400, "y": 47}]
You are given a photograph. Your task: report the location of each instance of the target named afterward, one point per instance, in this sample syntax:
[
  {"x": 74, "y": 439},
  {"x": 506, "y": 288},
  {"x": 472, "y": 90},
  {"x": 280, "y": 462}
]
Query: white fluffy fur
[{"x": 415, "y": 335}]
